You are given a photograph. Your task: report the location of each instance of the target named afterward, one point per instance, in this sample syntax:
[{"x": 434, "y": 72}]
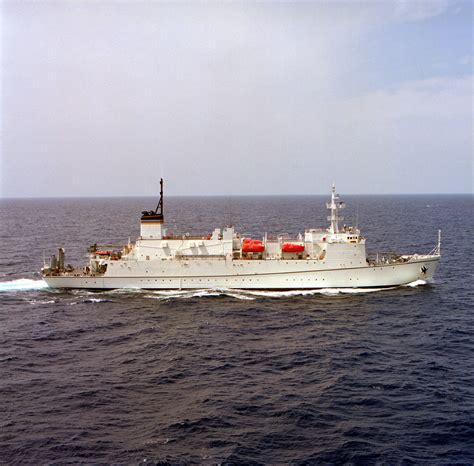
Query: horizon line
[{"x": 228, "y": 195}]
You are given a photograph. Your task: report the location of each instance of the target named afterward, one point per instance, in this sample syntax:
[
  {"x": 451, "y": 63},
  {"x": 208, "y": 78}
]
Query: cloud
[
  {"x": 465, "y": 60},
  {"x": 435, "y": 97},
  {"x": 221, "y": 98},
  {"x": 416, "y": 137},
  {"x": 419, "y": 10}
]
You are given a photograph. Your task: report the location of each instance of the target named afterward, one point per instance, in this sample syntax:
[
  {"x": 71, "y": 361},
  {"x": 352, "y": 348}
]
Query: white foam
[
  {"x": 240, "y": 296},
  {"x": 199, "y": 293},
  {"x": 23, "y": 284},
  {"x": 89, "y": 300},
  {"x": 131, "y": 289},
  {"x": 182, "y": 294},
  {"x": 41, "y": 302},
  {"x": 319, "y": 291},
  {"x": 416, "y": 283},
  {"x": 254, "y": 294}
]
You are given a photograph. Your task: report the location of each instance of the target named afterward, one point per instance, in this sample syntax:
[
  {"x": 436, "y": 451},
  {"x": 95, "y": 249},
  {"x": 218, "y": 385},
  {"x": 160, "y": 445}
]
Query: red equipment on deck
[
  {"x": 292, "y": 247},
  {"x": 252, "y": 245}
]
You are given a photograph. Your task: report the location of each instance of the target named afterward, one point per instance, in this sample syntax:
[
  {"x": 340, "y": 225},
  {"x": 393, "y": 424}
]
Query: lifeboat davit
[
  {"x": 292, "y": 247},
  {"x": 252, "y": 245}
]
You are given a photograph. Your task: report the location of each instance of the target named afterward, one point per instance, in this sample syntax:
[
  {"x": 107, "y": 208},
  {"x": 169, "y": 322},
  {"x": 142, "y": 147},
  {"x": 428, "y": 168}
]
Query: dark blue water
[{"x": 237, "y": 378}]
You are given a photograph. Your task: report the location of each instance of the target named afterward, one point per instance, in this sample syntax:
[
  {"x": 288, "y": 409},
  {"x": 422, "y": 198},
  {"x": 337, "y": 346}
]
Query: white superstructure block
[{"x": 152, "y": 230}]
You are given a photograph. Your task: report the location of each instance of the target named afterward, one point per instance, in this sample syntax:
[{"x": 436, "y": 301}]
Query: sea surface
[{"x": 233, "y": 377}]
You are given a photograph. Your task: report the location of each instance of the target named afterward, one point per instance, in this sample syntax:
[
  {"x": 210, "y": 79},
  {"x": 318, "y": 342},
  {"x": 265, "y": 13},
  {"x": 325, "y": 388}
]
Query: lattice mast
[{"x": 335, "y": 206}]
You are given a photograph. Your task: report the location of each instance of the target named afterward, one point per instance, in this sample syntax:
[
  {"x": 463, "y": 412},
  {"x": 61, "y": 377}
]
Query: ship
[{"x": 333, "y": 257}]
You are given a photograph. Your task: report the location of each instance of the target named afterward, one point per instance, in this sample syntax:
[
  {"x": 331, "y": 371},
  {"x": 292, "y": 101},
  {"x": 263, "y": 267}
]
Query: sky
[{"x": 236, "y": 98}]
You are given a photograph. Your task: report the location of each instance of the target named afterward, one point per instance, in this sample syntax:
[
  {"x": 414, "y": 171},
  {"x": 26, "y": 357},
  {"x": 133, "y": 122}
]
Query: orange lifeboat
[
  {"x": 102, "y": 253},
  {"x": 292, "y": 247},
  {"x": 252, "y": 245}
]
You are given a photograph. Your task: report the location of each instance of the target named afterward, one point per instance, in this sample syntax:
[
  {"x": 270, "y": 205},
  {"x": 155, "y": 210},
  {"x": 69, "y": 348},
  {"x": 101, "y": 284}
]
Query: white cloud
[
  {"x": 419, "y": 10},
  {"x": 224, "y": 97},
  {"x": 440, "y": 97},
  {"x": 465, "y": 60},
  {"x": 413, "y": 138}
]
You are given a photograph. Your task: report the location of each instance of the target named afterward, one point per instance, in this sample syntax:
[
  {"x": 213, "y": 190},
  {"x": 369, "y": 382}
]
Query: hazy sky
[{"x": 103, "y": 98}]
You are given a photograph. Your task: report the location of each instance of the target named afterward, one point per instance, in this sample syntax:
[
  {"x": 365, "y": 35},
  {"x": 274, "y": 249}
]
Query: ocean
[{"x": 233, "y": 377}]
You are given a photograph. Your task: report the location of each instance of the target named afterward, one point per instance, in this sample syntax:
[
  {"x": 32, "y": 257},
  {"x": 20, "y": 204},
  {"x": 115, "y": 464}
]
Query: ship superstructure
[{"x": 321, "y": 258}]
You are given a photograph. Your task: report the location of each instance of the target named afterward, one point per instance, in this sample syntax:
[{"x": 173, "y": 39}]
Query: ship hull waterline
[{"x": 189, "y": 275}]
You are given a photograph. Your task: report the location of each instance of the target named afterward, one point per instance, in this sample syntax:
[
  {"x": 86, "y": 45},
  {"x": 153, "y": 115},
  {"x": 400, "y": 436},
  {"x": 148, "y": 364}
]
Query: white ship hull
[{"x": 254, "y": 274}]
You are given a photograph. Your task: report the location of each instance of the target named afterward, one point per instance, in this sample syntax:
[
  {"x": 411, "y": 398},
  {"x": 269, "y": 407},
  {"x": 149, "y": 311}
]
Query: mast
[
  {"x": 151, "y": 222},
  {"x": 334, "y": 206},
  {"x": 157, "y": 214},
  {"x": 160, "y": 202}
]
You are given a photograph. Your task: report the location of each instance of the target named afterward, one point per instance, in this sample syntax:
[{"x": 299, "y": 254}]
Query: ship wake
[
  {"x": 256, "y": 294},
  {"x": 25, "y": 284},
  {"x": 22, "y": 284}
]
